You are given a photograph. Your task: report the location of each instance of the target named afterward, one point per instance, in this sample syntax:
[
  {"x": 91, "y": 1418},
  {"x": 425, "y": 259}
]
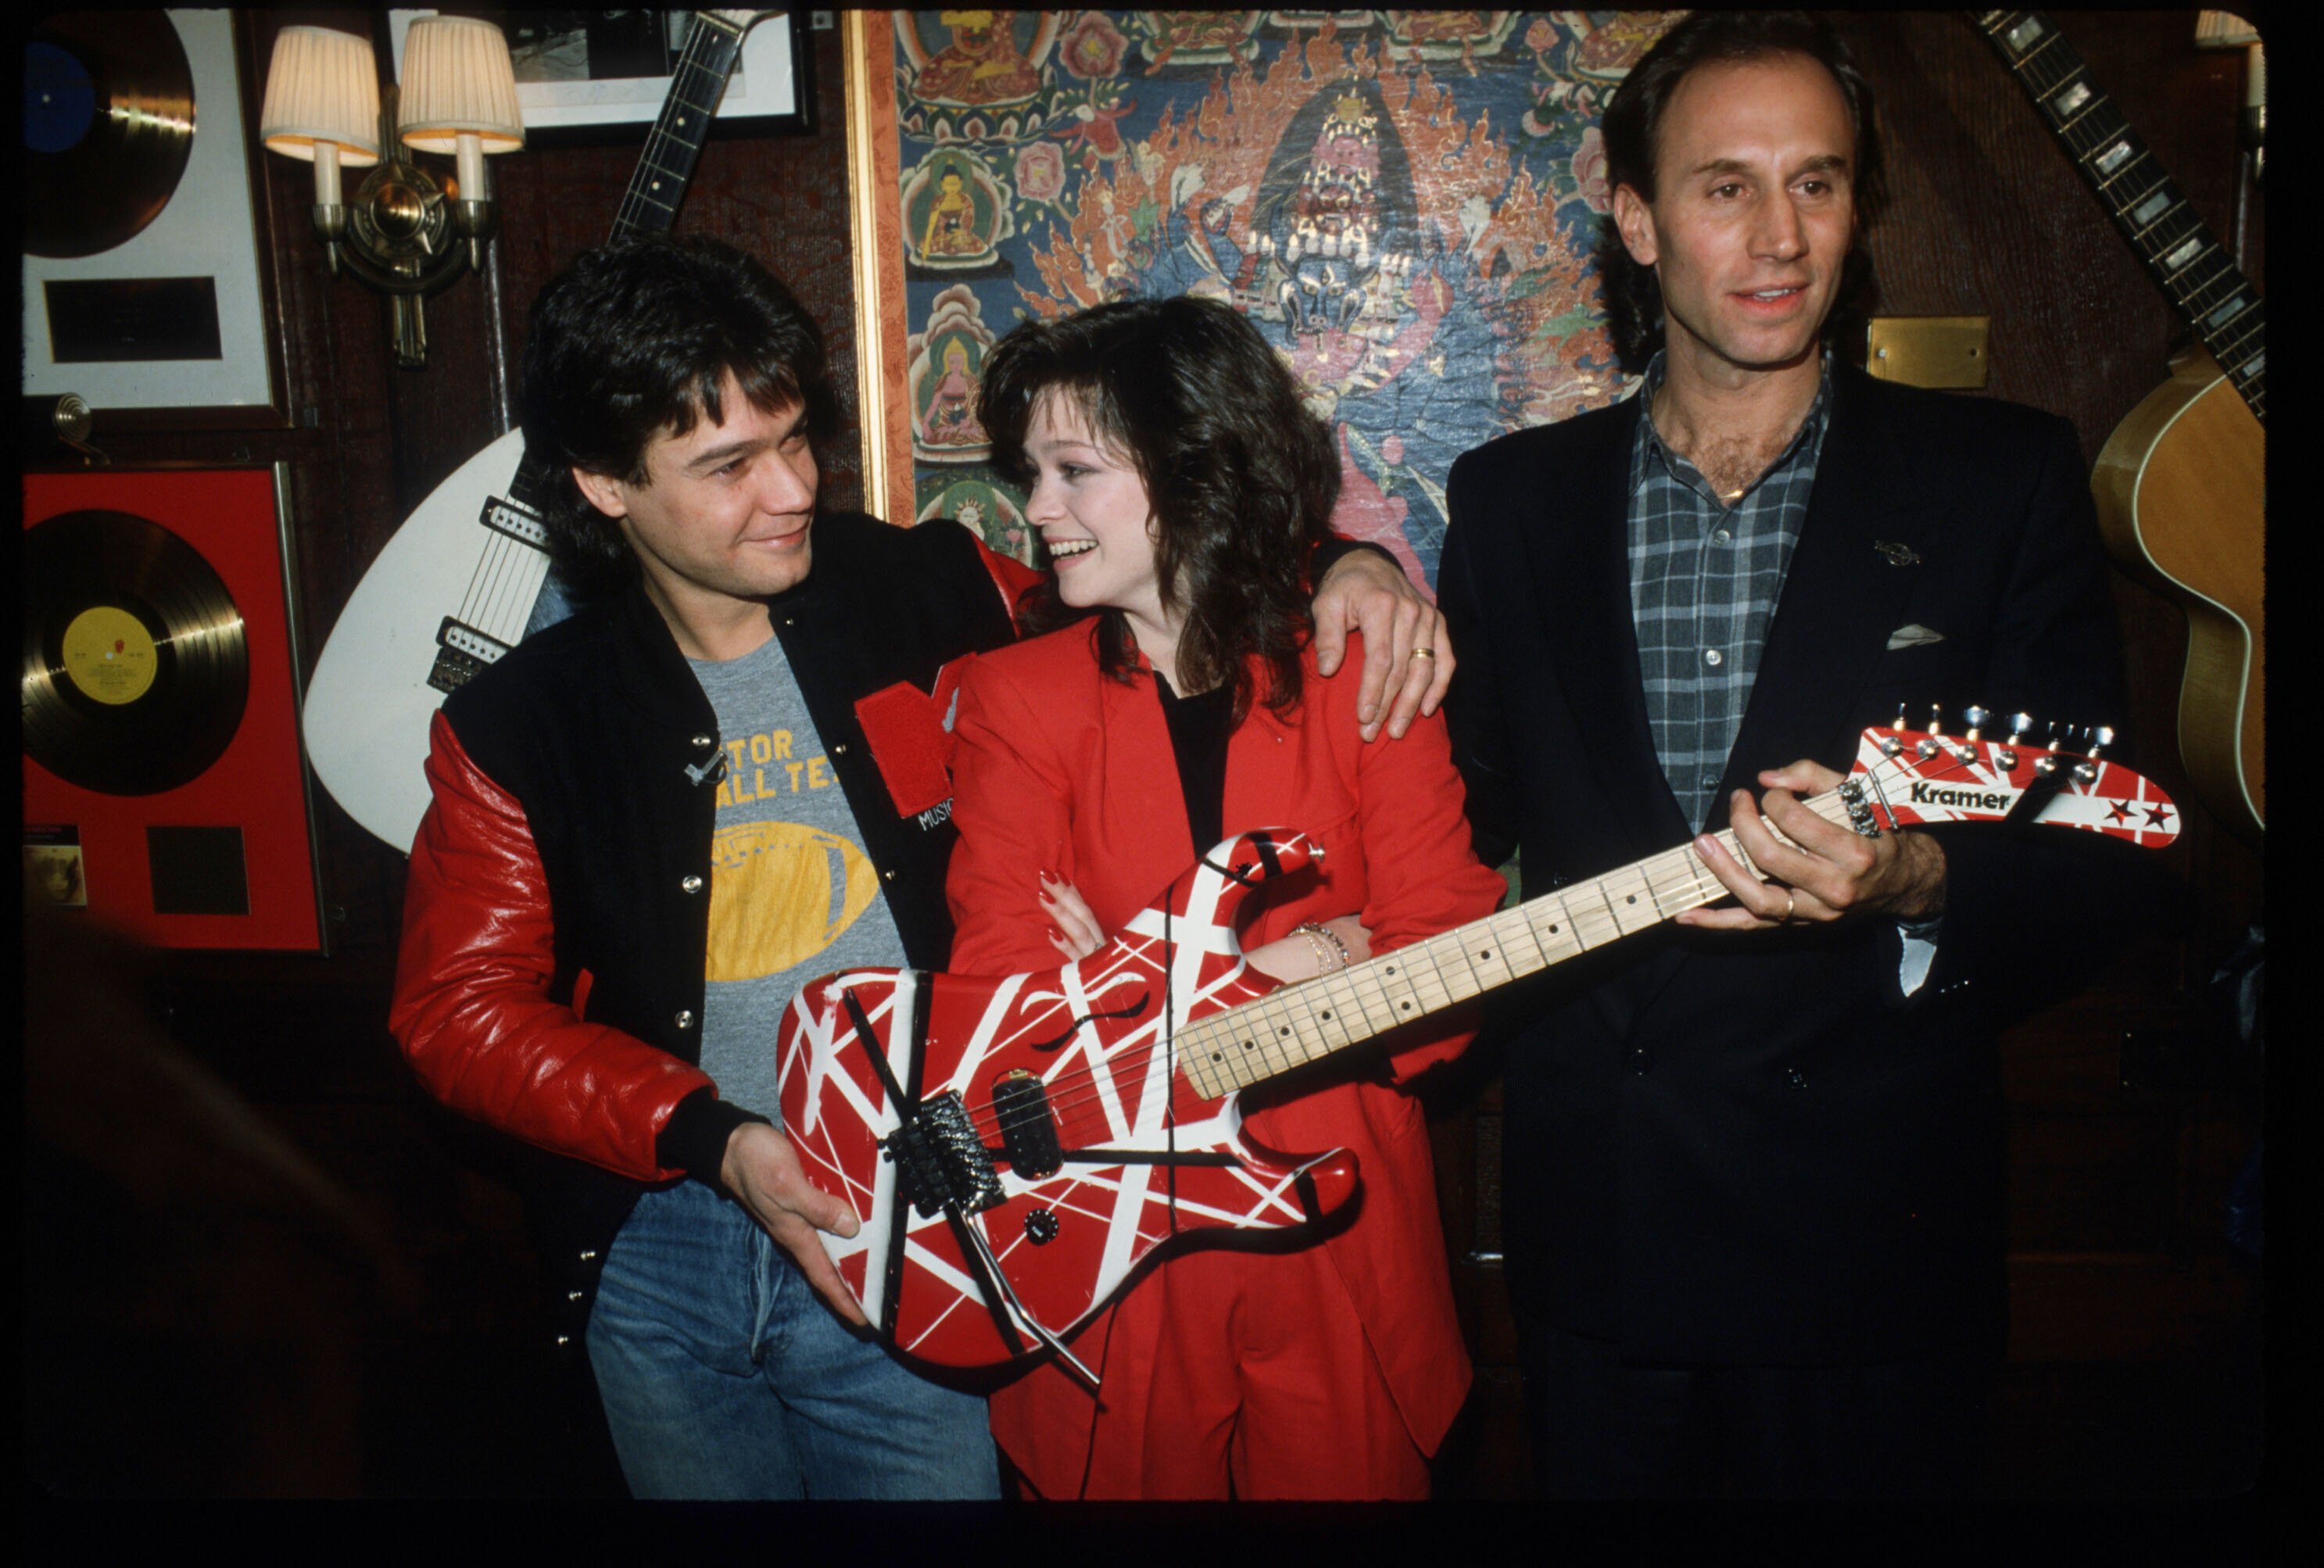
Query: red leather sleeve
[
  {"x": 471, "y": 1009},
  {"x": 1010, "y": 576}
]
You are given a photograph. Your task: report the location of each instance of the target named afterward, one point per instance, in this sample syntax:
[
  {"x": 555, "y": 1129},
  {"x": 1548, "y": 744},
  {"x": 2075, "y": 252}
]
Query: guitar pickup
[
  {"x": 462, "y": 652},
  {"x": 503, "y": 515},
  {"x": 940, "y": 1161},
  {"x": 1028, "y": 1132}
]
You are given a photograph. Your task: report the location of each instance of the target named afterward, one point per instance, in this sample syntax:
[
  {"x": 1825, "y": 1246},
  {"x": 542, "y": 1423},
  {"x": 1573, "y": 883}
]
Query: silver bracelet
[{"x": 1326, "y": 942}]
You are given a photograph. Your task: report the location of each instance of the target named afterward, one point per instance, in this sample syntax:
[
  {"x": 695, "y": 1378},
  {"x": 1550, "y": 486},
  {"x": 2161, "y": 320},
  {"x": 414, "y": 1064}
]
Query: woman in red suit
[{"x": 1181, "y": 486}]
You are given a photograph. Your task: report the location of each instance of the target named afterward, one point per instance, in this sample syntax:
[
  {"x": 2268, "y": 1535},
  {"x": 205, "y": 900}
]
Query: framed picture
[
  {"x": 590, "y": 76},
  {"x": 146, "y": 290},
  {"x": 165, "y": 791},
  {"x": 1405, "y": 202}
]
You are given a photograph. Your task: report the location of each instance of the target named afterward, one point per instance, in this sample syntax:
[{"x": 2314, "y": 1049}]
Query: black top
[{"x": 1199, "y": 729}]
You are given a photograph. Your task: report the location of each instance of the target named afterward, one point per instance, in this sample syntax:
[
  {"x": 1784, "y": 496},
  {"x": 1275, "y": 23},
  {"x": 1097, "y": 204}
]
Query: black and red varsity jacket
[{"x": 550, "y": 978}]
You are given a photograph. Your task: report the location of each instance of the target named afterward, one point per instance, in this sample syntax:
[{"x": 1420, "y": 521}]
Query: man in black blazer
[{"x": 1753, "y": 1184}]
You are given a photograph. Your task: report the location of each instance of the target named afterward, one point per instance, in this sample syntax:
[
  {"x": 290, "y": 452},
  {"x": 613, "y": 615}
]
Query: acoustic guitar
[
  {"x": 464, "y": 578},
  {"x": 1015, "y": 1148},
  {"x": 2179, "y": 485}
]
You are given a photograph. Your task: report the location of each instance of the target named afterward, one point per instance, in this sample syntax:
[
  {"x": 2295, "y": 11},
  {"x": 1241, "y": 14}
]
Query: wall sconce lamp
[{"x": 404, "y": 234}]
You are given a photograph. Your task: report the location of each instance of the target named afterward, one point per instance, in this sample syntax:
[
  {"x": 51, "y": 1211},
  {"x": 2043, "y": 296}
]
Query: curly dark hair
[
  {"x": 1634, "y": 299},
  {"x": 1241, "y": 474},
  {"x": 635, "y": 340}
]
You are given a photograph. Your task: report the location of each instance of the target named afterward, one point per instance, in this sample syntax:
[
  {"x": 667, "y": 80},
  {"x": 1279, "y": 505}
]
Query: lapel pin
[{"x": 1898, "y": 555}]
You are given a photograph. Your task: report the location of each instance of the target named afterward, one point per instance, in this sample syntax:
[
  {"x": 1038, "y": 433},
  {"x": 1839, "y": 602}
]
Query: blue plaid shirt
[{"x": 1705, "y": 577}]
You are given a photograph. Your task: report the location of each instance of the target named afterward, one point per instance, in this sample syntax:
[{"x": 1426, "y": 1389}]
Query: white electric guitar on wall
[{"x": 460, "y": 582}]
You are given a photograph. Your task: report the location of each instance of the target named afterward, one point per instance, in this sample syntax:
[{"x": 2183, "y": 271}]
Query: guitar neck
[
  {"x": 649, "y": 205},
  {"x": 1303, "y": 1023},
  {"x": 2205, "y": 283}
]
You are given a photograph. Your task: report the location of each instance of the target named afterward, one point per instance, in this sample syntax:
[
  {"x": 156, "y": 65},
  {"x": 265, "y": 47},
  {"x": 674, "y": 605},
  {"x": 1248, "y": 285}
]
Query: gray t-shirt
[{"x": 793, "y": 897}]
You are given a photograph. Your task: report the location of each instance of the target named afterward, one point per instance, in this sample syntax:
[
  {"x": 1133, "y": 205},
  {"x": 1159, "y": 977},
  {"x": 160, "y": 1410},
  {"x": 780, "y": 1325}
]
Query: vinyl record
[
  {"x": 108, "y": 125},
  {"x": 135, "y": 668}
]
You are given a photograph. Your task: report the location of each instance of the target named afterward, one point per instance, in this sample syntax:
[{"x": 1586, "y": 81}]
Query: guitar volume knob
[{"x": 1041, "y": 1227}]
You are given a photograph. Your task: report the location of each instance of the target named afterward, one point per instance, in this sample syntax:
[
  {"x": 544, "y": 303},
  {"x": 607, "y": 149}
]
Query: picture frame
[
  {"x": 229, "y": 857},
  {"x": 770, "y": 91},
  {"x": 212, "y": 239}
]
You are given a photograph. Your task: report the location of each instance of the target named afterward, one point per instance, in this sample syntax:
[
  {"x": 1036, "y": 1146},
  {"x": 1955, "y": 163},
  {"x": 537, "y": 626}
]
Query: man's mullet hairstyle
[
  {"x": 1241, "y": 474},
  {"x": 635, "y": 340},
  {"x": 1634, "y": 301}
]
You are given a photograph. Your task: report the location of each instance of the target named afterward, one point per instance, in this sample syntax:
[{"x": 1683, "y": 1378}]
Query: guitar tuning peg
[
  {"x": 1936, "y": 718},
  {"x": 2047, "y": 763},
  {"x": 2018, "y": 724},
  {"x": 1899, "y": 724},
  {"x": 2101, "y": 736},
  {"x": 1975, "y": 718}
]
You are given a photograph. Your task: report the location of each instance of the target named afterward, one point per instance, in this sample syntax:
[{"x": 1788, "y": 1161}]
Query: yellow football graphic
[{"x": 780, "y": 892}]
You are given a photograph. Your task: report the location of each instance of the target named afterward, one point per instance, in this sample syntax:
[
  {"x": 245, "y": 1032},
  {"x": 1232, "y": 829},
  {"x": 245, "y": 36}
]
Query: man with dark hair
[
  {"x": 1753, "y": 1174},
  {"x": 725, "y": 775}
]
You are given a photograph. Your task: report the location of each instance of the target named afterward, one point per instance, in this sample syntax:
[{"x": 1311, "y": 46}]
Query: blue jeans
[{"x": 724, "y": 1376}]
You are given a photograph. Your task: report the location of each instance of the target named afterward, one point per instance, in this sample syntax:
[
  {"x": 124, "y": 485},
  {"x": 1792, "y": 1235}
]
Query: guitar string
[
  {"x": 1589, "y": 931},
  {"x": 1074, "y": 1092}
]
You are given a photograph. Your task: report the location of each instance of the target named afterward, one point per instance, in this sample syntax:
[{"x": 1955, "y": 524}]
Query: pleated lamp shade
[
  {"x": 322, "y": 87},
  {"x": 458, "y": 78}
]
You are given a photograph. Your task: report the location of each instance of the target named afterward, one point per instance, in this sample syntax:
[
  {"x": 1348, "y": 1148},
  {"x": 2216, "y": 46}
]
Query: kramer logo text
[{"x": 1926, "y": 794}]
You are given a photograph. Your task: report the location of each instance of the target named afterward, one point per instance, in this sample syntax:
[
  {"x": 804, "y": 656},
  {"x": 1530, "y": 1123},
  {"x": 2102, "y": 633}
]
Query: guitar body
[
  {"x": 2182, "y": 503},
  {"x": 369, "y": 701},
  {"x": 1142, "y": 1157}
]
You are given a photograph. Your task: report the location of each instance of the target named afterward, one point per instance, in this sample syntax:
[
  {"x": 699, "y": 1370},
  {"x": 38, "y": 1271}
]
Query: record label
[{"x": 109, "y": 655}]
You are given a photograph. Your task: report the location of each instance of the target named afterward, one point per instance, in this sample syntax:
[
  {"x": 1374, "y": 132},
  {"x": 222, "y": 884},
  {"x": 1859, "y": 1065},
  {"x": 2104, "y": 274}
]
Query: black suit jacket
[{"x": 1754, "y": 1149}]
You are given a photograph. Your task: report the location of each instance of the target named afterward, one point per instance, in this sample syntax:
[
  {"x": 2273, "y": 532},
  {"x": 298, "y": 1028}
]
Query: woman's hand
[
  {"x": 1073, "y": 929},
  {"x": 1289, "y": 960}
]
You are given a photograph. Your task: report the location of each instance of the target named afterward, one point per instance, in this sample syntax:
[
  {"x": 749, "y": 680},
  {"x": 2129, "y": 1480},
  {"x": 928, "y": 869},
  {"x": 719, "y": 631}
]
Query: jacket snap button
[
  {"x": 685, "y": 1018},
  {"x": 703, "y": 742},
  {"x": 1640, "y": 1061},
  {"x": 1795, "y": 1078},
  {"x": 692, "y": 884},
  {"x": 840, "y": 750},
  {"x": 888, "y": 875},
  {"x": 589, "y": 1256}
]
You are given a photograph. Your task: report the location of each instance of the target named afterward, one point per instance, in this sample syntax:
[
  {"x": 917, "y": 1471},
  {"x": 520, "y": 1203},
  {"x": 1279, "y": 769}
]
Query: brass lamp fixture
[{"x": 404, "y": 234}]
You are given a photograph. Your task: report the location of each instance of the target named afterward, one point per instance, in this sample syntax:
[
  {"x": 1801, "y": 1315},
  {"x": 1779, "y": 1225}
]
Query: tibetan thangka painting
[{"x": 1404, "y": 201}]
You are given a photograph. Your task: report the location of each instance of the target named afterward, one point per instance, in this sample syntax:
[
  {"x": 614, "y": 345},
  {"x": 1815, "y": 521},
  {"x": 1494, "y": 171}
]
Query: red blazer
[{"x": 1060, "y": 769}]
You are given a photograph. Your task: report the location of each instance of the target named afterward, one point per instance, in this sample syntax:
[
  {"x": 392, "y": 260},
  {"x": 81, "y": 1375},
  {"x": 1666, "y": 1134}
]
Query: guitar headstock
[{"x": 1905, "y": 777}]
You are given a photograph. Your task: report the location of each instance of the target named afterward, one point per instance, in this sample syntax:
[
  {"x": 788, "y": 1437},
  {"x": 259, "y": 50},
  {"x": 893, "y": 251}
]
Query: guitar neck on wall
[
  {"x": 458, "y": 586},
  {"x": 2179, "y": 485},
  {"x": 2145, "y": 203}
]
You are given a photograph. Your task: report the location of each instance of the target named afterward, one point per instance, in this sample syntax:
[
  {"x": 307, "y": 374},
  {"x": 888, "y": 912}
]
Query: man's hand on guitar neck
[
  {"x": 762, "y": 1170},
  {"x": 1819, "y": 870}
]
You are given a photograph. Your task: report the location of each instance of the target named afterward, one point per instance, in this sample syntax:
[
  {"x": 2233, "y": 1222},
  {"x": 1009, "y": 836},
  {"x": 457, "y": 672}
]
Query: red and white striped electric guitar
[{"x": 1063, "y": 1125}]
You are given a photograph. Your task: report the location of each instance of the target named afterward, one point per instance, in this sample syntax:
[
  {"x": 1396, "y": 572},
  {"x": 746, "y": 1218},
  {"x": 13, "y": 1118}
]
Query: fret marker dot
[
  {"x": 1407, "y": 1007},
  {"x": 1327, "y": 1013},
  {"x": 1631, "y": 899},
  {"x": 1284, "y": 1033},
  {"x": 1485, "y": 955}
]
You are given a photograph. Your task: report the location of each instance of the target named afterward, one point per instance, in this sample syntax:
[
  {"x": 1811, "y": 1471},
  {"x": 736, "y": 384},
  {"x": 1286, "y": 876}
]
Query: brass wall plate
[{"x": 1939, "y": 351}]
